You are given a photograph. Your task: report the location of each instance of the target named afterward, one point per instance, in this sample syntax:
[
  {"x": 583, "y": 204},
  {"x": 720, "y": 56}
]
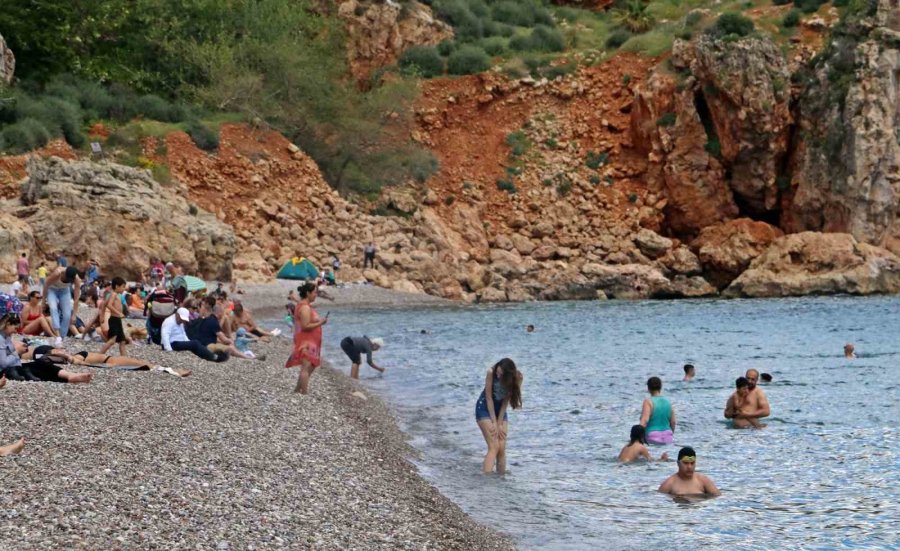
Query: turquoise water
[{"x": 824, "y": 474}]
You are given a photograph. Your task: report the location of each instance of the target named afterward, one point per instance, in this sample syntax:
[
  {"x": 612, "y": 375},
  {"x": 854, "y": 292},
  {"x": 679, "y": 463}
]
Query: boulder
[
  {"x": 522, "y": 244},
  {"x": 15, "y": 238},
  {"x": 811, "y": 263},
  {"x": 628, "y": 281},
  {"x": 544, "y": 252},
  {"x": 691, "y": 287},
  {"x": 651, "y": 243},
  {"x": 492, "y": 294},
  {"x": 121, "y": 217},
  {"x": 681, "y": 260},
  {"x": 725, "y": 250},
  {"x": 7, "y": 62}
]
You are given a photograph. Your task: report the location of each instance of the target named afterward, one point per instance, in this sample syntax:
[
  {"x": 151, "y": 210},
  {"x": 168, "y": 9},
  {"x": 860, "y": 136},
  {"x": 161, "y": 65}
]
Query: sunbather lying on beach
[
  {"x": 95, "y": 359},
  {"x": 13, "y": 368}
]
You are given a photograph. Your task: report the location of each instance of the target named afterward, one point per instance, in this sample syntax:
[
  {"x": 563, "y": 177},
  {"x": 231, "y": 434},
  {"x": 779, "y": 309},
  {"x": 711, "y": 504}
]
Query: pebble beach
[{"x": 228, "y": 458}]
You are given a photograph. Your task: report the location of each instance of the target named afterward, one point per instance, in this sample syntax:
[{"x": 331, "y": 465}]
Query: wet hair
[
  {"x": 210, "y": 301},
  {"x": 117, "y": 282},
  {"x": 766, "y": 377},
  {"x": 686, "y": 451},
  {"x": 741, "y": 382},
  {"x": 305, "y": 289},
  {"x": 654, "y": 384},
  {"x": 509, "y": 378},
  {"x": 638, "y": 434},
  {"x": 688, "y": 368}
]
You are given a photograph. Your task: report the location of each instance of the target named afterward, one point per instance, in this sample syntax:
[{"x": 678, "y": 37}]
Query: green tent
[{"x": 298, "y": 268}]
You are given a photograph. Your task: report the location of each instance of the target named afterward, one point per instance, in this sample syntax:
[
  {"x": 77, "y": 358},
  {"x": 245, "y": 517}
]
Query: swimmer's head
[
  {"x": 377, "y": 344},
  {"x": 848, "y": 349},
  {"x": 687, "y": 460},
  {"x": 752, "y": 377},
  {"x": 529, "y": 328},
  {"x": 766, "y": 378},
  {"x": 688, "y": 369},
  {"x": 654, "y": 384},
  {"x": 742, "y": 385},
  {"x": 638, "y": 434}
]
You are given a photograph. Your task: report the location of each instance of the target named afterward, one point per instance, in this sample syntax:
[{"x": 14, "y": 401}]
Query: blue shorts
[{"x": 481, "y": 409}]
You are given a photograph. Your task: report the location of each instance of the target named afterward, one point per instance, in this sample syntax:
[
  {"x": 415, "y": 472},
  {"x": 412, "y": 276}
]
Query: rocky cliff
[
  {"x": 378, "y": 32},
  {"x": 846, "y": 164},
  {"x": 115, "y": 214},
  {"x": 7, "y": 62}
]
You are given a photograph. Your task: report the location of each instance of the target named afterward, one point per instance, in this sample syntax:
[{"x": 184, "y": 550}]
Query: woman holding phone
[{"x": 307, "y": 337}]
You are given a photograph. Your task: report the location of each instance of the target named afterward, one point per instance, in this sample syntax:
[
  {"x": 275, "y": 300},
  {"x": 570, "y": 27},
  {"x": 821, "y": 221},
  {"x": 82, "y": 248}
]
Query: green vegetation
[
  {"x": 424, "y": 61},
  {"x": 732, "y": 25},
  {"x": 468, "y": 59},
  {"x": 518, "y": 142},
  {"x": 666, "y": 119},
  {"x": 596, "y": 160},
  {"x": 634, "y": 16},
  {"x": 506, "y": 185},
  {"x": 449, "y": 200},
  {"x": 564, "y": 187},
  {"x": 791, "y": 18},
  {"x": 617, "y": 38},
  {"x": 541, "y": 39}
]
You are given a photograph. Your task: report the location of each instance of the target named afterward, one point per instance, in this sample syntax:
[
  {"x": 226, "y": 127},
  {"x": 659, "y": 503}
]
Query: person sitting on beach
[
  {"x": 689, "y": 372},
  {"x": 11, "y": 366},
  {"x": 34, "y": 322},
  {"x": 687, "y": 481},
  {"x": 100, "y": 321},
  {"x": 209, "y": 332},
  {"x": 355, "y": 347},
  {"x": 134, "y": 302},
  {"x": 736, "y": 405},
  {"x": 636, "y": 447},
  {"x": 307, "y": 351},
  {"x": 241, "y": 317},
  {"x": 657, "y": 414},
  {"x": 503, "y": 384},
  {"x": 174, "y": 338},
  {"x": 19, "y": 289},
  {"x": 849, "y": 351}
]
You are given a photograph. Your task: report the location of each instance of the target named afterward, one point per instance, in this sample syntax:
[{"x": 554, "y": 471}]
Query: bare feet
[
  {"x": 12, "y": 449},
  {"x": 76, "y": 378},
  {"x": 2, "y": 381},
  {"x": 183, "y": 372}
]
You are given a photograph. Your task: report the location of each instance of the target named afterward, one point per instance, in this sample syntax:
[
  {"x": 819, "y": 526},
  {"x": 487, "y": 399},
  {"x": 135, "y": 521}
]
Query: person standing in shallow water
[
  {"x": 657, "y": 414},
  {"x": 307, "y": 337},
  {"x": 686, "y": 481},
  {"x": 502, "y": 389},
  {"x": 689, "y": 372}
]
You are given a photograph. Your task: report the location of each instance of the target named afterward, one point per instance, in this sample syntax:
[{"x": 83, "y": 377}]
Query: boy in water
[
  {"x": 737, "y": 402},
  {"x": 637, "y": 448},
  {"x": 687, "y": 481},
  {"x": 114, "y": 306}
]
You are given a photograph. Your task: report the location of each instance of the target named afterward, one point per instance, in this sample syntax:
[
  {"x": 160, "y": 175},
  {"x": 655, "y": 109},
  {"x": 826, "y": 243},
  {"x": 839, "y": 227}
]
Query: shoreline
[{"x": 228, "y": 458}]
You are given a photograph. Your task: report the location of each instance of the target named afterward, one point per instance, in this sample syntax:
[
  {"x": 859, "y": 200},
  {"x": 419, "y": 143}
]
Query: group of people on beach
[{"x": 171, "y": 316}]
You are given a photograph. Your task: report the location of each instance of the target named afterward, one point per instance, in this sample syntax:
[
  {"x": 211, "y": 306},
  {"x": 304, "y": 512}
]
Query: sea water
[{"x": 823, "y": 474}]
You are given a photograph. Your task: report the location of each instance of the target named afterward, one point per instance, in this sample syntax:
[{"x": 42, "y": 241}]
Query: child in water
[{"x": 636, "y": 448}]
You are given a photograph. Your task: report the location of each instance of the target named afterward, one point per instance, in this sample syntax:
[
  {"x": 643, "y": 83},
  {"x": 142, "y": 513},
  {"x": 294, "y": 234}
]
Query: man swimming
[
  {"x": 736, "y": 404},
  {"x": 686, "y": 481},
  {"x": 689, "y": 372},
  {"x": 849, "y": 351}
]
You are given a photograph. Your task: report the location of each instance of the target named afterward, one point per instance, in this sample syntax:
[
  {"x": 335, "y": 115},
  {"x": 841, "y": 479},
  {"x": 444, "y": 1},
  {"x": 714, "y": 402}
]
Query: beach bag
[{"x": 162, "y": 305}]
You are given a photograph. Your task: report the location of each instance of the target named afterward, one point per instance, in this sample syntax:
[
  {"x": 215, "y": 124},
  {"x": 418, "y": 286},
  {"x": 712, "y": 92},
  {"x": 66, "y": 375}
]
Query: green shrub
[
  {"x": 729, "y": 24},
  {"x": 494, "y": 45},
  {"x": 506, "y": 185},
  {"x": 596, "y": 160},
  {"x": 808, "y": 6},
  {"x": 626, "y": 79},
  {"x": 422, "y": 60},
  {"x": 541, "y": 38},
  {"x": 713, "y": 147},
  {"x": 551, "y": 143},
  {"x": 504, "y": 30},
  {"x": 446, "y": 47},
  {"x": 449, "y": 200},
  {"x": 25, "y": 135},
  {"x": 594, "y": 179},
  {"x": 518, "y": 143},
  {"x": 155, "y": 108},
  {"x": 205, "y": 138},
  {"x": 633, "y": 15},
  {"x": 632, "y": 198},
  {"x": 666, "y": 119},
  {"x": 564, "y": 187},
  {"x": 534, "y": 63},
  {"x": 59, "y": 117},
  {"x": 513, "y": 13},
  {"x": 693, "y": 18},
  {"x": 791, "y": 18},
  {"x": 781, "y": 2},
  {"x": 557, "y": 71},
  {"x": 421, "y": 164},
  {"x": 193, "y": 210},
  {"x": 467, "y": 60},
  {"x": 617, "y": 38}
]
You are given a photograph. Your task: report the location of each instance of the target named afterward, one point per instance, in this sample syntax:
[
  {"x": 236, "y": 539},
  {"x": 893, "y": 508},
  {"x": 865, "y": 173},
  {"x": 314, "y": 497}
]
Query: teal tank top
[{"x": 659, "y": 418}]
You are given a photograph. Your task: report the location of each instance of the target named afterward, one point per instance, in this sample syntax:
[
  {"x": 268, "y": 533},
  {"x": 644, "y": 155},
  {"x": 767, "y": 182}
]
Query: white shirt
[
  {"x": 172, "y": 331},
  {"x": 16, "y": 287}
]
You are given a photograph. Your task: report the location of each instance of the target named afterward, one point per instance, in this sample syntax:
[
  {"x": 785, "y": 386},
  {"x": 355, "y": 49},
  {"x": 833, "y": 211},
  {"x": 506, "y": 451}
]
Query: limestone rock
[
  {"x": 726, "y": 250},
  {"x": 681, "y": 261},
  {"x": 15, "y": 238},
  {"x": 651, "y": 243},
  {"x": 811, "y": 263},
  {"x": 492, "y": 294},
  {"x": 628, "y": 281},
  {"x": 7, "y": 62},
  {"x": 121, "y": 217},
  {"x": 522, "y": 244}
]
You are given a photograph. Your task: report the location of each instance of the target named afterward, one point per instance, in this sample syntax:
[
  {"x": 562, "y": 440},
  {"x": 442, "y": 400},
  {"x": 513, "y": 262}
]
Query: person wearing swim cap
[{"x": 687, "y": 481}]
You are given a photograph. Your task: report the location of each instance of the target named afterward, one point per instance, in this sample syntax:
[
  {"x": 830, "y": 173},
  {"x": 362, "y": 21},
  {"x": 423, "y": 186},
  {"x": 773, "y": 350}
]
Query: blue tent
[{"x": 298, "y": 268}]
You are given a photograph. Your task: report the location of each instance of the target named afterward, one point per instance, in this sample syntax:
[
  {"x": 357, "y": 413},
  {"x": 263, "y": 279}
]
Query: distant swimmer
[
  {"x": 766, "y": 378},
  {"x": 502, "y": 389},
  {"x": 636, "y": 448},
  {"x": 849, "y": 351},
  {"x": 657, "y": 414},
  {"x": 354, "y": 347},
  {"x": 735, "y": 407},
  {"x": 529, "y": 328},
  {"x": 686, "y": 481},
  {"x": 689, "y": 372}
]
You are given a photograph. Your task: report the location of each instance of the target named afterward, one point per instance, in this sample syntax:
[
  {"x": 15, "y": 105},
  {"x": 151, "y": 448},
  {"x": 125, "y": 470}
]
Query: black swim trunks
[{"x": 116, "y": 329}]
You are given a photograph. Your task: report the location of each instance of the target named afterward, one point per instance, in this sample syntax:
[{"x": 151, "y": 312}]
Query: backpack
[{"x": 160, "y": 305}]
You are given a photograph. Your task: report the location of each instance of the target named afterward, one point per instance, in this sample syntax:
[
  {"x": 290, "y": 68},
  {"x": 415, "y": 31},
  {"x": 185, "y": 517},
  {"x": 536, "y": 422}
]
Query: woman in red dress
[{"x": 307, "y": 337}]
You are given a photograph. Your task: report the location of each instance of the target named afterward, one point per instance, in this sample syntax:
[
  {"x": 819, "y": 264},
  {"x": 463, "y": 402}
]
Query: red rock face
[{"x": 725, "y": 250}]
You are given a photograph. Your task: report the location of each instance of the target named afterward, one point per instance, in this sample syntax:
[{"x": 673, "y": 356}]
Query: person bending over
[
  {"x": 355, "y": 347},
  {"x": 687, "y": 481},
  {"x": 636, "y": 448},
  {"x": 502, "y": 389}
]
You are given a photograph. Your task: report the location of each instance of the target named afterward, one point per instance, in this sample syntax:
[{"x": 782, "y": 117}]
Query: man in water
[
  {"x": 529, "y": 328},
  {"x": 686, "y": 481},
  {"x": 849, "y": 351},
  {"x": 736, "y": 405},
  {"x": 689, "y": 372},
  {"x": 756, "y": 405},
  {"x": 766, "y": 378}
]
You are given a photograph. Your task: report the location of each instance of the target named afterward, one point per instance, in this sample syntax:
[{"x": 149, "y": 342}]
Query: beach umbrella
[{"x": 194, "y": 283}]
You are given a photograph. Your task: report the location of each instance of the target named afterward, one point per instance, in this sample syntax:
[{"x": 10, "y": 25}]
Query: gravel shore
[{"x": 228, "y": 458}]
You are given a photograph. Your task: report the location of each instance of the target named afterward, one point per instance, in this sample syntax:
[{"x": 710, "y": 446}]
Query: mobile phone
[{"x": 327, "y": 314}]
